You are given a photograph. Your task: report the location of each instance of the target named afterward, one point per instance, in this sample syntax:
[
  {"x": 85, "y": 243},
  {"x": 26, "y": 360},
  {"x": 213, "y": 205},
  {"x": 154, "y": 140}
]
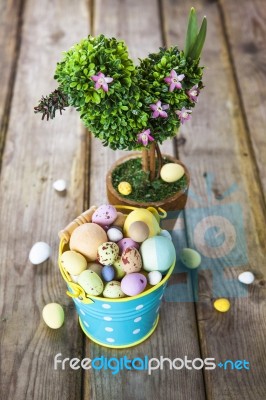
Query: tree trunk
[
  {"x": 152, "y": 161},
  {"x": 160, "y": 160},
  {"x": 145, "y": 160}
]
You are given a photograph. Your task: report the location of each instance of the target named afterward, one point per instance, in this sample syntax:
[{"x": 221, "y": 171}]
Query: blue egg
[{"x": 108, "y": 273}]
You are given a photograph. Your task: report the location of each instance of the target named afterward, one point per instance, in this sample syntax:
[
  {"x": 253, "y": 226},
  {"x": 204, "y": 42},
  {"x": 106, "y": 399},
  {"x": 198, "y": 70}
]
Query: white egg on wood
[
  {"x": 39, "y": 253},
  {"x": 246, "y": 277},
  {"x": 60, "y": 185}
]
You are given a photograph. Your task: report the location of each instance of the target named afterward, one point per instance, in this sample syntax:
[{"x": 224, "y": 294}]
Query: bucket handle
[
  {"x": 81, "y": 219},
  {"x": 154, "y": 211}
]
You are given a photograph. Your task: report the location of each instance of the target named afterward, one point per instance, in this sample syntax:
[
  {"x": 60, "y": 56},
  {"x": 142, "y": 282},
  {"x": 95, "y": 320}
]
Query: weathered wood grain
[
  {"x": 246, "y": 32},
  {"x": 138, "y": 23},
  {"x": 37, "y": 153},
  {"x": 10, "y": 26},
  {"x": 225, "y": 183}
]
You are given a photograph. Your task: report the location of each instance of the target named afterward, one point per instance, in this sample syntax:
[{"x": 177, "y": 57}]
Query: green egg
[
  {"x": 190, "y": 258},
  {"x": 119, "y": 272},
  {"x": 113, "y": 290},
  {"x": 90, "y": 282}
]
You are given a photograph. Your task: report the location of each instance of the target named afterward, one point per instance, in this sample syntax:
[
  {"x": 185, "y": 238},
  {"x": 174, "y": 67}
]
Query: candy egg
[
  {"x": 108, "y": 273},
  {"x": 119, "y": 272},
  {"x": 90, "y": 282},
  {"x": 158, "y": 253},
  {"x": 73, "y": 262},
  {"x": 125, "y": 243},
  {"x": 190, "y": 258},
  {"x": 154, "y": 277},
  {"x": 246, "y": 277},
  {"x": 114, "y": 234},
  {"x": 107, "y": 253},
  {"x": 124, "y": 188},
  {"x": 104, "y": 215},
  {"x": 222, "y": 305},
  {"x": 138, "y": 231},
  {"x": 39, "y": 253},
  {"x": 120, "y": 220},
  {"x": 113, "y": 290},
  {"x": 144, "y": 215},
  {"x": 60, "y": 185},
  {"x": 172, "y": 172},
  {"x": 53, "y": 315},
  {"x": 95, "y": 267},
  {"x": 131, "y": 260},
  {"x": 133, "y": 284},
  {"x": 86, "y": 239}
]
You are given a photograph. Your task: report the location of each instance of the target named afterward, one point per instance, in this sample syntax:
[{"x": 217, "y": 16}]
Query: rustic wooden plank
[
  {"x": 10, "y": 26},
  {"x": 246, "y": 31},
  {"x": 138, "y": 23},
  {"x": 217, "y": 151},
  {"x": 36, "y": 154}
]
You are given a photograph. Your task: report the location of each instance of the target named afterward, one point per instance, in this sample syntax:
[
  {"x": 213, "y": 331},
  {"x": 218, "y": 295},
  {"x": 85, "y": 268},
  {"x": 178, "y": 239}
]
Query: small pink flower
[
  {"x": 183, "y": 115},
  {"x": 144, "y": 137},
  {"x": 193, "y": 93},
  {"x": 158, "y": 110},
  {"x": 174, "y": 80},
  {"x": 101, "y": 81}
]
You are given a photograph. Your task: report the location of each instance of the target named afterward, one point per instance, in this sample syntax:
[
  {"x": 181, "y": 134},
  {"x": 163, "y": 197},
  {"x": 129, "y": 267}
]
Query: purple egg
[
  {"x": 105, "y": 215},
  {"x": 133, "y": 284},
  {"x": 124, "y": 243},
  {"x": 108, "y": 273}
]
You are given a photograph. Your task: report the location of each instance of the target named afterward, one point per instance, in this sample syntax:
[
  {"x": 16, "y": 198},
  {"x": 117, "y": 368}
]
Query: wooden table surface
[{"x": 224, "y": 147}]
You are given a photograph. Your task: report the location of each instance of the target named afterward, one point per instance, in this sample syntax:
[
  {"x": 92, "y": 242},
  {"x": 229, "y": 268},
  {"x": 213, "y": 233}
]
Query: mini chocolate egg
[
  {"x": 60, "y": 185},
  {"x": 144, "y": 215},
  {"x": 107, "y": 253},
  {"x": 131, "y": 260},
  {"x": 108, "y": 273},
  {"x": 222, "y": 305},
  {"x": 124, "y": 188},
  {"x": 154, "y": 277},
  {"x": 120, "y": 220},
  {"x": 73, "y": 262},
  {"x": 124, "y": 243},
  {"x": 133, "y": 284},
  {"x": 114, "y": 234},
  {"x": 95, "y": 267},
  {"x": 138, "y": 231},
  {"x": 104, "y": 215},
  {"x": 246, "y": 277},
  {"x": 39, "y": 253},
  {"x": 190, "y": 258},
  {"x": 119, "y": 272},
  {"x": 53, "y": 315},
  {"x": 172, "y": 172},
  {"x": 113, "y": 290},
  {"x": 166, "y": 234},
  {"x": 90, "y": 282},
  {"x": 158, "y": 254},
  {"x": 86, "y": 239}
]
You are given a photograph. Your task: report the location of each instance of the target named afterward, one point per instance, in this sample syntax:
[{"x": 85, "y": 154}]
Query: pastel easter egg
[
  {"x": 133, "y": 284},
  {"x": 138, "y": 231},
  {"x": 95, "y": 267},
  {"x": 190, "y": 258},
  {"x": 53, "y": 315},
  {"x": 154, "y": 277},
  {"x": 120, "y": 220},
  {"x": 124, "y": 243},
  {"x": 60, "y": 185},
  {"x": 39, "y": 253},
  {"x": 172, "y": 172},
  {"x": 108, "y": 273},
  {"x": 246, "y": 277},
  {"x": 131, "y": 260},
  {"x": 166, "y": 234},
  {"x": 158, "y": 254},
  {"x": 114, "y": 234},
  {"x": 124, "y": 188},
  {"x": 90, "y": 282},
  {"x": 222, "y": 305},
  {"x": 107, "y": 253},
  {"x": 73, "y": 262},
  {"x": 86, "y": 239},
  {"x": 144, "y": 215},
  {"x": 104, "y": 215},
  {"x": 113, "y": 290},
  {"x": 119, "y": 272}
]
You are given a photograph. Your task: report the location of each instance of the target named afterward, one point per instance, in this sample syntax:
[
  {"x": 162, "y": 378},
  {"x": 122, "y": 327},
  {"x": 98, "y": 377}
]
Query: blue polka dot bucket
[{"x": 115, "y": 323}]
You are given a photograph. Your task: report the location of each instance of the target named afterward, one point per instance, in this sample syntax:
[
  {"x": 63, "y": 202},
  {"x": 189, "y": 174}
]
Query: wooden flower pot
[{"x": 175, "y": 202}]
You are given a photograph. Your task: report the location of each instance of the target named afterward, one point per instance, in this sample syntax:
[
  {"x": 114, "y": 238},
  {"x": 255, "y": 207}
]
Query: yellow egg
[
  {"x": 53, "y": 315},
  {"x": 222, "y": 305},
  {"x": 73, "y": 262},
  {"x": 144, "y": 215},
  {"x": 124, "y": 188},
  {"x": 172, "y": 172}
]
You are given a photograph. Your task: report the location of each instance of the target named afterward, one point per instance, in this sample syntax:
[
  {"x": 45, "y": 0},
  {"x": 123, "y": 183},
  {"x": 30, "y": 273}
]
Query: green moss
[{"x": 142, "y": 189}]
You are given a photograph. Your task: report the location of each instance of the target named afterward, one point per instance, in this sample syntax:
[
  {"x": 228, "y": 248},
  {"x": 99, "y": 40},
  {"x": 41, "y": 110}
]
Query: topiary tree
[{"x": 126, "y": 106}]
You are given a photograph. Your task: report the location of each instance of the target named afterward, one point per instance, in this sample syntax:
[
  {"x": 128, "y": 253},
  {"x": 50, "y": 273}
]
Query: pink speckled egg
[
  {"x": 131, "y": 260},
  {"x": 105, "y": 215},
  {"x": 133, "y": 284},
  {"x": 124, "y": 243}
]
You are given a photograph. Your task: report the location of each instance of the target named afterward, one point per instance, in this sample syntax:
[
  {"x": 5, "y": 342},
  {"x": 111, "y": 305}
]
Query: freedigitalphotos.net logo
[{"x": 146, "y": 363}]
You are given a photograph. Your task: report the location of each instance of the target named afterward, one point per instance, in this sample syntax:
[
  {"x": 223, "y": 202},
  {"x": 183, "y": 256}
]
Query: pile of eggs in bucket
[{"x": 117, "y": 255}]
